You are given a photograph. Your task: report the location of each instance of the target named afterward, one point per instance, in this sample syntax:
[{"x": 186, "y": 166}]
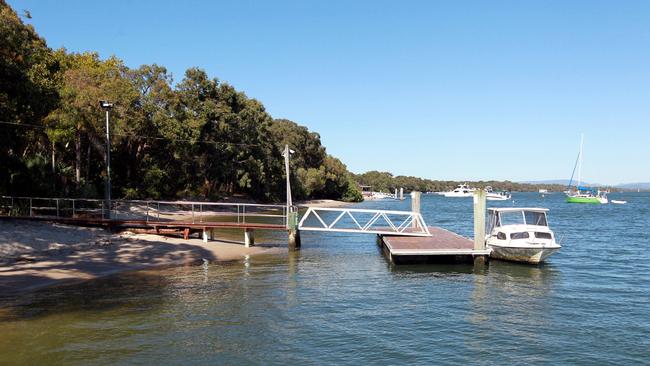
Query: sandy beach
[
  {"x": 323, "y": 203},
  {"x": 39, "y": 254}
]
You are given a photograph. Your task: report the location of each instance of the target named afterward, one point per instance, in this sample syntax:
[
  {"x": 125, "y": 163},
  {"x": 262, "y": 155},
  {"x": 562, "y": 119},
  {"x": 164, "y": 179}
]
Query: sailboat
[{"x": 582, "y": 194}]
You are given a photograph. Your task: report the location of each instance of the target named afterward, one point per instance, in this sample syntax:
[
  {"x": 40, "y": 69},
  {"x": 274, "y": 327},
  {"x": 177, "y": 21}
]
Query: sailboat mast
[{"x": 582, "y": 138}]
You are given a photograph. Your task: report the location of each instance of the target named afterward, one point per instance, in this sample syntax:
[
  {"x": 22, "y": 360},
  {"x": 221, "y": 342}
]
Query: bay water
[{"x": 339, "y": 301}]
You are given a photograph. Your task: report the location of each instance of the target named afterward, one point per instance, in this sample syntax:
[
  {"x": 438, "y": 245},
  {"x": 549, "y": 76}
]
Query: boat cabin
[{"x": 502, "y": 216}]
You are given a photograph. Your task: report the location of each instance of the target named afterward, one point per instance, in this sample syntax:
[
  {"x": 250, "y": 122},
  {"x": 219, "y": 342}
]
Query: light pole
[
  {"x": 292, "y": 215},
  {"x": 107, "y": 106},
  {"x": 287, "y": 153}
]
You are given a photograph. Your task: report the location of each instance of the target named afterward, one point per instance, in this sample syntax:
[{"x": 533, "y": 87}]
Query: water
[{"x": 338, "y": 301}]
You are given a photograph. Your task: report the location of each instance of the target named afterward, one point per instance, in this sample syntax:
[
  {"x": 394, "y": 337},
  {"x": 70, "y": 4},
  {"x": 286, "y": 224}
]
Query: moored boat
[
  {"x": 520, "y": 234},
  {"x": 583, "y": 194},
  {"x": 463, "y": 190},
  {"x": 492, "y": 195}
]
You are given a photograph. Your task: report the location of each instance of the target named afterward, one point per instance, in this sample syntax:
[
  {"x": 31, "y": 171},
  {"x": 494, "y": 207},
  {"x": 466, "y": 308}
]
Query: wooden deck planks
[{"x": 442, "y": 242}]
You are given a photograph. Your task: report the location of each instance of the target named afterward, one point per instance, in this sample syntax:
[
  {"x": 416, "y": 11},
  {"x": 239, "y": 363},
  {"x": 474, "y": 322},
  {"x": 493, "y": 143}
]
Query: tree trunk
[
  {"x": 77, "y": 166},
  {"x": 88, "y": 163},
  {"x": 53, "y": 168}
]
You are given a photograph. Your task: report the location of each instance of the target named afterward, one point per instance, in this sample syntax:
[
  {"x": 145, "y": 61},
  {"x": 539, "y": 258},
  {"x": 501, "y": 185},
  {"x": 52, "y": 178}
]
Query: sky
[{"x": 458, "y": 90}]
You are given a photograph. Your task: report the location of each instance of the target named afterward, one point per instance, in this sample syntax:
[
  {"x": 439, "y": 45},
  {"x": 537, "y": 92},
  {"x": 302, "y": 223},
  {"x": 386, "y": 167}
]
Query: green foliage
[
  {"x": 198, "y": 139},
  {"x": 386, "y": 182}
]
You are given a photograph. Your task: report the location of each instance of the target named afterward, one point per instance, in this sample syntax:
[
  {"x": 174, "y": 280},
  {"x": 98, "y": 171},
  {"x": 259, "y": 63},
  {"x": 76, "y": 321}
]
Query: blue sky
[{"x": 443, "y": 90}]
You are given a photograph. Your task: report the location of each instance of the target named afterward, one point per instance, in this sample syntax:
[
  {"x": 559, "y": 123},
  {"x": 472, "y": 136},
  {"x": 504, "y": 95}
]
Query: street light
[
  {"x": 107, "y": 106},
  {"x": 287, "y": 153}
]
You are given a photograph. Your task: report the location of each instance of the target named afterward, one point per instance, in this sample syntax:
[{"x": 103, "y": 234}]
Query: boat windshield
[
  {"x": 522, "y": 218},
  {"x": 535, "y": 218}
]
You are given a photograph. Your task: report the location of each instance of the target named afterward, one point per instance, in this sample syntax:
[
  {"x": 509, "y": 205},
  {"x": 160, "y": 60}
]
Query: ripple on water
[{"x": 338, "y": 301}]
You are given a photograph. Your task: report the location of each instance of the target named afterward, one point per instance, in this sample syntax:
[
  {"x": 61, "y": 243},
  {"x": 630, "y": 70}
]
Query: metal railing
[
  {"x": 144, "y": 210},
  {"x": 364, "y": 221}
]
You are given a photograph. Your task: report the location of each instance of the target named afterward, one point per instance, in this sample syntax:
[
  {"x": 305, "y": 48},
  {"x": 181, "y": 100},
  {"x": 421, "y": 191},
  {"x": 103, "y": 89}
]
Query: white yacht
[
  {"x": 491, "y": 195},
  {"x": 463, "y": 190},
  {"x": 520, "y": 234}
]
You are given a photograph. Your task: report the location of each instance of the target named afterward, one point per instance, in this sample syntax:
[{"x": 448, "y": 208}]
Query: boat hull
[
  {"x": 519, "y": 254},
  {"x": 498, "y": 198},
  {"x": 589, "y": 200},
  {"x": 458, "y": 195}
]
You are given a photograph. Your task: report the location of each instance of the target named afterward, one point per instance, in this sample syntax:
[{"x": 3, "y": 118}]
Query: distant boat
[
  {"x": 583, "y": 194},
  {"x": 382, "y": 196},
  {"x": 496, "y": 195},
  {"x": 618, "y": 202},
  {"x": 463, "y": 190},
  {"x": 543, "y": 191}
]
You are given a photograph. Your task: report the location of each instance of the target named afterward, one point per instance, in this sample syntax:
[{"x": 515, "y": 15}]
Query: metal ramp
[{"x": 347, "y": 220}]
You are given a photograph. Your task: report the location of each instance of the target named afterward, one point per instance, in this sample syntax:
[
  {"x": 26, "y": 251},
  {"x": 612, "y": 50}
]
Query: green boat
[
  {"x": 583, "y": 194},
  {"x": 578, "y": 198}
]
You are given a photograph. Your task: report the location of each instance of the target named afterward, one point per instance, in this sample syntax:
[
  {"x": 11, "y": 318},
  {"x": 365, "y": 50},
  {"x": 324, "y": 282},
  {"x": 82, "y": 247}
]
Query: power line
[{"x": 140, "y": 136}]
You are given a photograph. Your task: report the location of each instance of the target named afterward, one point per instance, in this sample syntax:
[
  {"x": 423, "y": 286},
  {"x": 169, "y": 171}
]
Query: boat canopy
[
  {"x": 516, "y": 216},
  {"x": 517, "y": 209},
  {"x": 589, "y": 189}
]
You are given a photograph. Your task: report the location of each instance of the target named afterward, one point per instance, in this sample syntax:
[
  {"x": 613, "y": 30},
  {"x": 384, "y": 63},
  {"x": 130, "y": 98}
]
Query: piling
[
  {"x": 292, "y": 227},
  {"x": 294, "y": 239},
  {"x": 415, "y": 206},
  {"x": 401, "y": 194},
  {"x": 249, "y": 237},
  {"x": 479, "y": 223}
]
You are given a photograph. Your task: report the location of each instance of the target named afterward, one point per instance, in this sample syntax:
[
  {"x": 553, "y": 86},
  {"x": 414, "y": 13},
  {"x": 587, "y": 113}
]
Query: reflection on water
[{"x": 338, "y": 301}]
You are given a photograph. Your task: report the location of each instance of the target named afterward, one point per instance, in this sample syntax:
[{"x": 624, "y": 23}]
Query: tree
[{"x": 28, "y": 84}]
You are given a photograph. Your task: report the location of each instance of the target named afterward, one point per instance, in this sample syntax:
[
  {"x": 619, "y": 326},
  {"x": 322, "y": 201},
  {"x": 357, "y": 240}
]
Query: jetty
[
  {"x": 441, "y": 247},
  {"x": 403, "y": 235}
]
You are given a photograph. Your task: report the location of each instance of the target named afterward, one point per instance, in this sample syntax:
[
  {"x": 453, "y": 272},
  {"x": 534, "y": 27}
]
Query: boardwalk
[{"x": 442, "y": 246}]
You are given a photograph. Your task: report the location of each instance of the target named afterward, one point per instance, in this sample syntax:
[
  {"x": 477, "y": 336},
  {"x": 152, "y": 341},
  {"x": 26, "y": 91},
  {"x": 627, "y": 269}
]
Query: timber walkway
[{"x": 404, "y": 235}]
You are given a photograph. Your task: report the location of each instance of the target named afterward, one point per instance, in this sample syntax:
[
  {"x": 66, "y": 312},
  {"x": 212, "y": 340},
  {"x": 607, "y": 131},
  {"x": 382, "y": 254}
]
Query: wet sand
[{"x": 39, "y": 254}]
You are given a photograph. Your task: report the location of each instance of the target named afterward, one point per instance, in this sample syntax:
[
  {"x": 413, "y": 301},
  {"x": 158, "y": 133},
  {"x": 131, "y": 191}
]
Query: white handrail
[{"x": 406, "y": 223}]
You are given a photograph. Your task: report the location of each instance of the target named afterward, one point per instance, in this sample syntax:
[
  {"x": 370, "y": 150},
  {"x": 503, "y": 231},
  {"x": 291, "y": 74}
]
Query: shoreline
[
  {"x": 34, "y": 255},
  {"x": 323, "y": 203}
]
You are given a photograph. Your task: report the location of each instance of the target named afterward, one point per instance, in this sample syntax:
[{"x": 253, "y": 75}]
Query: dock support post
[
  {"x": 294, "y": 239},
  {"x": 249, "y": 237},
  {"x": 415, "y": 206},
  {"x": 479, "y": 225},
  {"x": 401, "y": 194},
  {"x": 205, "y": 235},
  {"x": 479, "y": 219},
  {"x": 292, "y": 227}
]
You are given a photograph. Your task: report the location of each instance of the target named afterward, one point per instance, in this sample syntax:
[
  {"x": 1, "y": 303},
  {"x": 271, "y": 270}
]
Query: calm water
[{"x": 339, "y": 302}]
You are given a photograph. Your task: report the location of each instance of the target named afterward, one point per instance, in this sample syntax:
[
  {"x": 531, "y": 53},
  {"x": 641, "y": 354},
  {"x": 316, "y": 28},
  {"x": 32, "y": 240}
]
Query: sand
[
  {"x": 39, "y": 254},
  {"x": 323, "y": 203}
]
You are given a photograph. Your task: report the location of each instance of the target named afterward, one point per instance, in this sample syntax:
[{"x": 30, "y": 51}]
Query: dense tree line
[
  {"x": 199, "y": 138},
  {"x": 386, "y": 182}
]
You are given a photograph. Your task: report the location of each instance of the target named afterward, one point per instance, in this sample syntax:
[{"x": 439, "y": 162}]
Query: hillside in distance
[{"x": 565, "y": 182}]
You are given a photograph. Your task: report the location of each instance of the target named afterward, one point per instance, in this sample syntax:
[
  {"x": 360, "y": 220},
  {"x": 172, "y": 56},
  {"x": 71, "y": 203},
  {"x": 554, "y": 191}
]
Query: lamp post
[
  {"x": 292, "y": 214},
  {"x": 287, "y": 153},
  {"x": 107, "y": 106}
]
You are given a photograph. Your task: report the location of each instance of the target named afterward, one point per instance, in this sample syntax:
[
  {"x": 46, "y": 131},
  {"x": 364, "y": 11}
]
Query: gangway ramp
[{"x": 349, "y": 220}]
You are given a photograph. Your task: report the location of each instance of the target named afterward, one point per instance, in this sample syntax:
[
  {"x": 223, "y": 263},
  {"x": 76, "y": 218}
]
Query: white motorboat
[
  {"x": 520, "y": 234},
  {"x": 618, "y": 202},
  {"x": 491, "y": 195},
  {"x": 382, "y": 196},
  {"x": 463, "y": 190}
]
